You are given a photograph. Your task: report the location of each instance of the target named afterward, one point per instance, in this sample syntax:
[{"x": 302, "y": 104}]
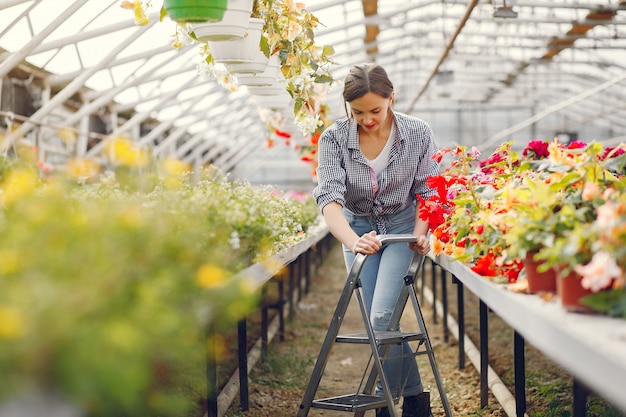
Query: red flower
[
  {"x": 437, "y": 156},
  {"x": 315, "y": 138},
  {"x": 611, "y": 152},
  {"x": 282, "y": 134},
  {"x": 485, "y": 265},
  {"x": 536, "y": 149},
  {"x": 577, "y": 144},
  {"x": 511, "y": 270},
  {"x": 441, "y": 234}
]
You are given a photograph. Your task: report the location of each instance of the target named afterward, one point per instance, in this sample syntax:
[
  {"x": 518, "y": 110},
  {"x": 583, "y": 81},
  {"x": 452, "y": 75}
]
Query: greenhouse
[{"x": 178, "y": 179}]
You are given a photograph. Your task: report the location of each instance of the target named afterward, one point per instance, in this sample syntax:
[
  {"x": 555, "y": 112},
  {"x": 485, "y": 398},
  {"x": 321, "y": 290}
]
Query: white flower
[
  {"x": 234, "y": 240},
  {"x": 607, "y": 216},
  {"x": 307, "y": 122},
  {"x": 600, "y": 272}
]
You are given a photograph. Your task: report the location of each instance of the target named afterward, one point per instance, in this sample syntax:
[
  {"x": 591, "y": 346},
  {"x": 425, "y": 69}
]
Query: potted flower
[
  {"x": 596, "y": 183},
  {"x": 604, "y": 275},
  {"x": 232, "y": 26},
  {"x": 469, "y": 214},
  {"x": 288, "y": 32}
]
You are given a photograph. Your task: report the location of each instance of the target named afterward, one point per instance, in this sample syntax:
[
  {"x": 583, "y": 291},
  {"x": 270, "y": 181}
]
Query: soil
[{"x": 277, "y": 385}]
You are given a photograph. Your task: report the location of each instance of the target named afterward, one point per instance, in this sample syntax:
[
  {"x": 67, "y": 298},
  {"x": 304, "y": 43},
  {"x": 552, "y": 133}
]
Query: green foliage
[{"x": 106, "y": 291}]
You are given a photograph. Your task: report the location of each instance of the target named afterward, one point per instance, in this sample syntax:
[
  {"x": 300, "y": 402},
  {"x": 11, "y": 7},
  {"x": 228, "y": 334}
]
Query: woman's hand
[
  {"x": 367, "y": 244},
  {"x": 422, "y": 246}
]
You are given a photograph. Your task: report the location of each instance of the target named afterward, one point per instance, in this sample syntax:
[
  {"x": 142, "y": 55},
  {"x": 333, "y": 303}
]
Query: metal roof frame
[{"x": 564, "y": 58}]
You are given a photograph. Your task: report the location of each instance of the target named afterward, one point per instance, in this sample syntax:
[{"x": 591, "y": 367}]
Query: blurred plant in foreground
[{"x": 109, "y": 283}]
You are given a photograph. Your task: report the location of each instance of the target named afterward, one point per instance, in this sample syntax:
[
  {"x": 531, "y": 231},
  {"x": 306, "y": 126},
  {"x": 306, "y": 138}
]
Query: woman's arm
[
  {"x": 422, "y": 246},
  {"x": 340, "y": 228}
]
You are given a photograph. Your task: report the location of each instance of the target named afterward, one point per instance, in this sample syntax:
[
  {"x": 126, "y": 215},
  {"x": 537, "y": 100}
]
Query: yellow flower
[
  {"x": 175, "y": 166},
  {"x": 19, "y": 183},
  {"x": 559, "y": 155},
  {"x": 174, "y": 170},
  {"x": 177, "y": 44},
  {"x": 123, "y": 151},
  {"x": 81, "y": 168},
  {"x": 11, "y": 323},
  {"x": 457, "y": 251},
  {"x": 211, "y": 276},
  {"x": 141, "y": 18}
]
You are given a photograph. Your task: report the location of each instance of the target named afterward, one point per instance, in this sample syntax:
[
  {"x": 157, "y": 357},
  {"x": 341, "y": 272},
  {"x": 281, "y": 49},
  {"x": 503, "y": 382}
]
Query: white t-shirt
[{"x": 380, "y": 162}]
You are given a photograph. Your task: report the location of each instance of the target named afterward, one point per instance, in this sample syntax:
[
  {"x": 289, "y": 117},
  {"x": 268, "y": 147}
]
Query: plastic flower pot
[
  {"x": 265, "y": 78},
  {"x": 233, "y": 25},
  {"x": 570, "y": 291},
  {"x": 242, "y": 51},
  {"x": 274, "y": 102},
  {"x": 195, "y": 11},
  {"x": 538, "y": 282}
]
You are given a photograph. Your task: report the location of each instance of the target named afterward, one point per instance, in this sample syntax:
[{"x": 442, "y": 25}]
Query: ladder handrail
[{"x": 360, "y": 258}]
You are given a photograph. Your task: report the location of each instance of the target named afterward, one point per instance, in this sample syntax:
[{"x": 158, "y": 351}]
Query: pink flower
[
  {"x": 598, "y": 274},
  {"x": 607, "y": 215},
  {"x": 591, "y": 190}
]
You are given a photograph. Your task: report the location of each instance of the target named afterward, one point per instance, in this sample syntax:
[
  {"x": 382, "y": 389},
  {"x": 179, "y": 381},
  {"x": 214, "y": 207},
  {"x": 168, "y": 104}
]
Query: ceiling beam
[
  {"x": 470, "y": 7},
  {"x": 370, "y": 8}
]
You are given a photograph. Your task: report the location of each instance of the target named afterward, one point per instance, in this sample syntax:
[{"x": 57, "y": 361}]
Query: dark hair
[{"x": 366, "y": 78}]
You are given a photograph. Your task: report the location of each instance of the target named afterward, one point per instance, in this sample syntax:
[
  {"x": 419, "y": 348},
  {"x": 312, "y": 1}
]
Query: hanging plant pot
[
  {"x": 256, "y": 66},
  {"x": 268, "y": 90},
  {"x": 265, "y": 78},
  {"x": 279, "y": 101},
  {"x": 246, "y": 50},
  {"x": 195, "y": 11},
  {"x": 233, "y": 25}
]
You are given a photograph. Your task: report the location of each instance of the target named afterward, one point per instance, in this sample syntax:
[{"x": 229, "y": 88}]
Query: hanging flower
[{"x": 139, "y": 10}]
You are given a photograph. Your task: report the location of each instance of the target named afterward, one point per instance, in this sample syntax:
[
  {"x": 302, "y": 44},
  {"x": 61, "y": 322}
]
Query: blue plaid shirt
[{"x": 345, "y": 177}]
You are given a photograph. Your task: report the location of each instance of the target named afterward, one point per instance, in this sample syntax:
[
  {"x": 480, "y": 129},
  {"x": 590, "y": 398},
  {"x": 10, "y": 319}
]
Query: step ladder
[{"x": 379, "y": 342}]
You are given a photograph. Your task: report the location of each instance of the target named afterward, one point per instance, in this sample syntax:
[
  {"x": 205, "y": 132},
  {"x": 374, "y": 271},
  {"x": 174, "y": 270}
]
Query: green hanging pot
[{"x": 195, "y": 11}]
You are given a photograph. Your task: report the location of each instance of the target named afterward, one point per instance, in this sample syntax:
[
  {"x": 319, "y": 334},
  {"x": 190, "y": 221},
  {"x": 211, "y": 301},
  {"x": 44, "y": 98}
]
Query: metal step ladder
[{"x": 379, "y": 342}]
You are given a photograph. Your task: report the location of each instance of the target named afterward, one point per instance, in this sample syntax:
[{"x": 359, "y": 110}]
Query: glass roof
[{"x": 480, "y": 72}]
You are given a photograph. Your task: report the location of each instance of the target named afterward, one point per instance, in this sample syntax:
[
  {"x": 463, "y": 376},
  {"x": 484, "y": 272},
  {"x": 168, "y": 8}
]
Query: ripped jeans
[{"x": 382, "y": 279}]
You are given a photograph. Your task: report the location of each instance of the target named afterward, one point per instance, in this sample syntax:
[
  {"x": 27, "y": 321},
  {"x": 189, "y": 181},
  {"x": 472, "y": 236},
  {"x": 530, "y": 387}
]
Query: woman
[{"x": 372, "y": 164}]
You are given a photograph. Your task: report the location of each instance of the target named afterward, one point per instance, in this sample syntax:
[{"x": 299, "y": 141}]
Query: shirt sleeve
[
  {"x": 331, "y": 172},
  {"x": 427, "y": 166}
]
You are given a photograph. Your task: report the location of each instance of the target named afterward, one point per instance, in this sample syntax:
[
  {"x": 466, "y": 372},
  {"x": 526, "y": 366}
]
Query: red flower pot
[
  {"x": 570, "y": 291},
  {"x": 538, "y": 282}
]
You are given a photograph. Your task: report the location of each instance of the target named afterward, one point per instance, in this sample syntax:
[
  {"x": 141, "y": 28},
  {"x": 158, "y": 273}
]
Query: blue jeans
[{"x": 382, "y": 278}]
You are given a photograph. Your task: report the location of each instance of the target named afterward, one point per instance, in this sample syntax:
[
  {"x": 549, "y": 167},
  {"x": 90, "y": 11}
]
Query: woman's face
[{"x": 371, "y": 111}]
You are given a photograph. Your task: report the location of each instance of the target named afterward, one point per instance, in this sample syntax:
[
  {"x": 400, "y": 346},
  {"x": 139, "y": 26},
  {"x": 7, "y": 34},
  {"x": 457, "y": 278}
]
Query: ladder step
[
  {"x": 382, "y": 337},
  {"x": 351, "y": 402}
]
